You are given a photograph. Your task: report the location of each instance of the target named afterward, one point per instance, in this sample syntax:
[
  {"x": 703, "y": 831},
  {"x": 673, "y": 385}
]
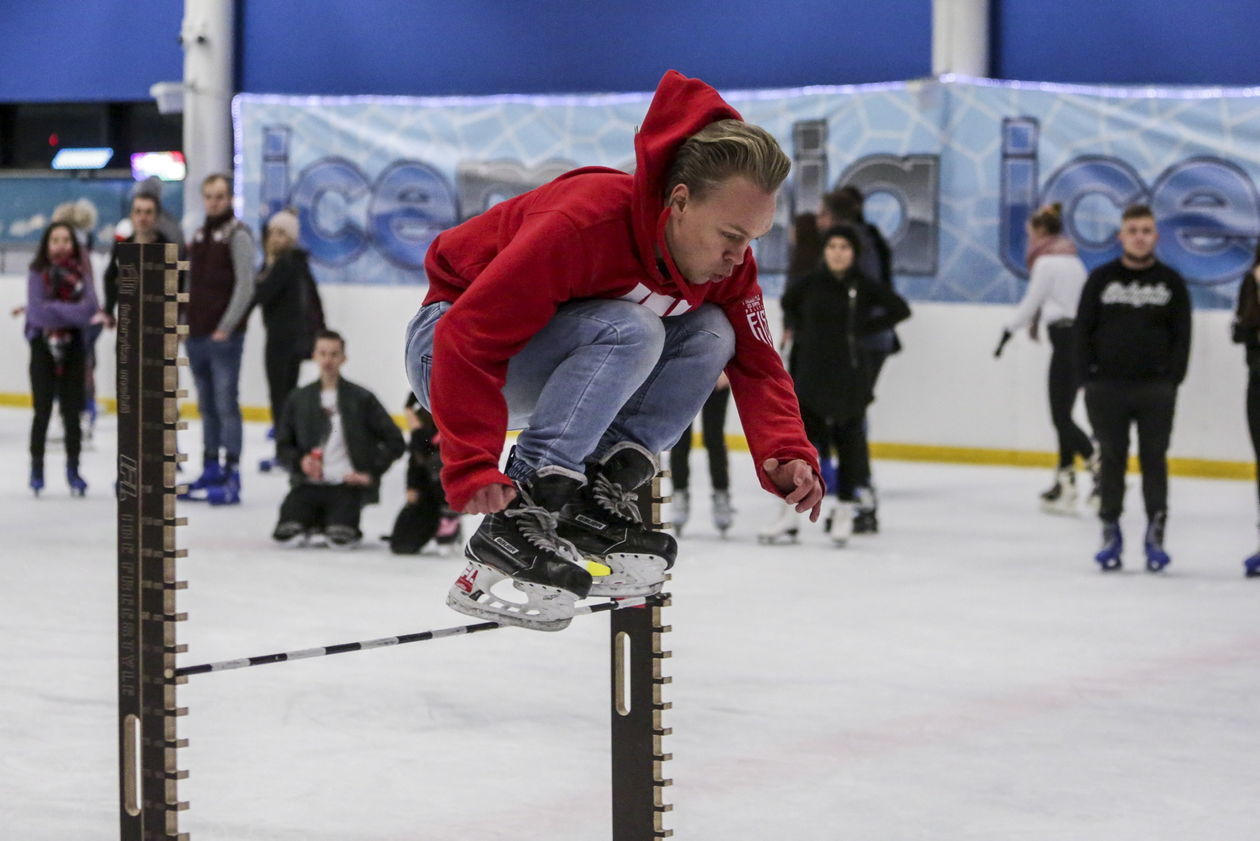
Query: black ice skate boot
[
  {"x": 520, "y": 543},
  {"x": 603, "y": 522}
]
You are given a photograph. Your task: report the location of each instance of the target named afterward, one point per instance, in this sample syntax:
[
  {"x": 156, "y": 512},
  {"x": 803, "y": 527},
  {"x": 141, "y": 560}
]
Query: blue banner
[{"x": 951, "y": 169}]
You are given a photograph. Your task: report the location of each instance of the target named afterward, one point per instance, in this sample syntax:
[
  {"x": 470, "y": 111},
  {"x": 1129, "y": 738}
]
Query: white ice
[{"x": 965, "y": 675}]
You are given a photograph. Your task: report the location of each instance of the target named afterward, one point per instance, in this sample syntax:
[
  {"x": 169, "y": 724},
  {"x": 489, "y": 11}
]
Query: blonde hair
[
  {"x": 1048, "y": 219},
  {"x": 724, "y": 149}
]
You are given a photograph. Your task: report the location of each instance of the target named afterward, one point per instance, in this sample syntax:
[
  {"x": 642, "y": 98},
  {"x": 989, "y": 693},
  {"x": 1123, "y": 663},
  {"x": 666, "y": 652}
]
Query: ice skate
[
  {"x": 1061, "y": 497},
  {"x": 290, "y": 535},
  {"x": 343, "y": 537},
  {"x": 784, "y": 527},
  {"x": 1094, "y": 500},
  {"x": 680, "y": 509},
  {"x": 603, "y": 522},
  {"x": 865, "y": 520},
  {"x": 37, "y": 477},
  {"x": 226, "y": 492},
  {"x": 723, "y": 513},
  {"x": 1251, "y": 566},
  {"x": 1157, "y": 557},
  {"x": 1108, "y": 557},
  {"x": 839, "y": 522},
  {"x": 212, "y": 474},
  {"x": 520, "y": 544},
  {"x": 78, "y": 487},
  {"x": 449, "y": 531}
]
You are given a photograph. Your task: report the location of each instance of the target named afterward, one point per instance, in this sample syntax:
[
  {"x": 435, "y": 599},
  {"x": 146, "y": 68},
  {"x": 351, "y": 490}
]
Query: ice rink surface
[{"x": 966, "y": 675}]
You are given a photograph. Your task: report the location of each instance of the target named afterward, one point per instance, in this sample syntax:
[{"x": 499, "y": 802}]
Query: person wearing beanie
[
  {"x": 292, "y": 313},
  {"x": 832, "y": 309}
]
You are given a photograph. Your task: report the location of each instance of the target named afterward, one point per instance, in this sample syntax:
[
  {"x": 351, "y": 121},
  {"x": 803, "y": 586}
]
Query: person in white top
[{"x": 1056, "y": 278}]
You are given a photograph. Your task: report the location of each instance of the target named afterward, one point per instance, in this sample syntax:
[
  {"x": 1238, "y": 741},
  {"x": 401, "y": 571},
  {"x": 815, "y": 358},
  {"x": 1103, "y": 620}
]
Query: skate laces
[
  {"x": 539, "y": 528},
  {"x": 616, "y": 499}
]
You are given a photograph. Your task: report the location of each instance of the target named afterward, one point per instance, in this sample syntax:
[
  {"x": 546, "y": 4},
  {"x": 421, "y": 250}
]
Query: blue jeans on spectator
[
  {"x": 216, "y": 370},
  {"x": 601, "y": 372}
]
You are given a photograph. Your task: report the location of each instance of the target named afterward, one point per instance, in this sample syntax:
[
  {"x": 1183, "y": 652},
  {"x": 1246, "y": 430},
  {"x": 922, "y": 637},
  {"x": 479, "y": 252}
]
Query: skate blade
[
  {"x": 628, "y": 575},
  {"x": 1059, "y": 510},
  {"x": 777, "y": 539},
  {"x": 544, "y": 608}
]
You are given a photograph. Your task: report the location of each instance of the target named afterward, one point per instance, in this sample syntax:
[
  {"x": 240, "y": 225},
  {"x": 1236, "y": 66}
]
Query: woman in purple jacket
[{"x": 60, "y": 304}]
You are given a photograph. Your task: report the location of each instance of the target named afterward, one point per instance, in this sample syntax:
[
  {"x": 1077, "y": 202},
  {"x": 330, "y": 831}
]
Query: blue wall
[
  {"x": 81, "y": 50},
  {"x": 103, "y": 50},
  {"x": 1210, "y": 42},
  {"x": 493, "y": 46}
]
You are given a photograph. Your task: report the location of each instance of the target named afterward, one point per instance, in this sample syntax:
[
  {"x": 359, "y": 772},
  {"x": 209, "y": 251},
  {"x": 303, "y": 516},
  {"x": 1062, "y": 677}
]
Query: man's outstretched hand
[
  {"x": 491, "y": 499},
  {"x": 798, "y": 481}
]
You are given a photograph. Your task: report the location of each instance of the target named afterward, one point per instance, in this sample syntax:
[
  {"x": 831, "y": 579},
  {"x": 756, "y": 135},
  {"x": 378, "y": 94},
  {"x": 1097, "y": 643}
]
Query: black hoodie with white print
[{"x": 1134, "y": 324}]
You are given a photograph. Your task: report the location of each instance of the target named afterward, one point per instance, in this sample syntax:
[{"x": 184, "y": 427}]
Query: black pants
[
  {"x": 321, "y": 506},
  {"x": 1253, "y": 418},
  {"x": 713, "y": 433},
  {"x": 1064, "y": 383},
  {"x": 1113, "y": 406},
  {"x": 846, "y": 437},
  {"x": 64, "y": 382},
  {"x": 283, "y": 365}
]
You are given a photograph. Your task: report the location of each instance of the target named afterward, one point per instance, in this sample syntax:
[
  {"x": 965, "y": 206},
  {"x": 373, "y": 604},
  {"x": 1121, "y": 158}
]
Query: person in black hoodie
[
  {"x": 1247, "y": 333},
  {"x": 336, "y": 440},
  {"x": 832, "y": 309},
  {"x": 1133, "y": 340},
  {"x": 291, "y": 308}
]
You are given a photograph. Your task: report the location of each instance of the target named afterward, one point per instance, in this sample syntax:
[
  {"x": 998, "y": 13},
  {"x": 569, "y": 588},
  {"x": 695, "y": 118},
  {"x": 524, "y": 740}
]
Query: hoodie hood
[{"x": 680, "y": 108}]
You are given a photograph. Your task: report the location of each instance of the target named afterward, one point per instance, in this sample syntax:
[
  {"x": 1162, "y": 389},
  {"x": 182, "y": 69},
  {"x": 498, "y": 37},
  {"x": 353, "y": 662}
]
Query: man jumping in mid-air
[{"x": 595, "y": 313}]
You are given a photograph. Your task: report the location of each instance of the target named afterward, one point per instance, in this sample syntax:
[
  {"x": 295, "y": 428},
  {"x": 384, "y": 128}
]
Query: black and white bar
[{"x": 387, "y": 642}]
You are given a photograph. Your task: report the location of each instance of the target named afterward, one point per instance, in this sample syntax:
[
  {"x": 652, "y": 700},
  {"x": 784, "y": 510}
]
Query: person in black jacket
[
  {"x": 1133, "y": 341},
  {"x": 291, "y": 309},
  {"x": 832, "y": 309},
  {"x": 1247, "y": 333},
  {"x": 425, "y": 514},
  {"x": 336, "y": 440}
]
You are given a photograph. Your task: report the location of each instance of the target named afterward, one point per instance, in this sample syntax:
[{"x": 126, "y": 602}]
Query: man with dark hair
[
  {"x": 220, "y": 289},
  {"x": 336, "y": 440},
  {"x": 1133, "y": 340},
  {"x": 595, "y": 313},
  {"x": 143, "y": 215}
]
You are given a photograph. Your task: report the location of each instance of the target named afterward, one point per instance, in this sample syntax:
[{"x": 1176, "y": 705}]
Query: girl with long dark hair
[
  {"x": 60, "y": 303},
  {"x": 1247, "y": 333}
]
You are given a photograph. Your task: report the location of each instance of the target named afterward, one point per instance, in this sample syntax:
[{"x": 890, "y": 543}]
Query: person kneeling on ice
[
  {"x": 595, "y": 313},
  {"x": 336, "y": 440}
]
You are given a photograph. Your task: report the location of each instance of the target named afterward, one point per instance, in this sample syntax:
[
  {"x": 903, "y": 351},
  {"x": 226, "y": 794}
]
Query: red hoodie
[{"x": 591, "y": 233}]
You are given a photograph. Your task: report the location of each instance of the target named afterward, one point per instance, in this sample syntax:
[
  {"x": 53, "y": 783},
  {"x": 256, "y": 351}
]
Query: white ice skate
[
  {"x": 723, "y": 512},
  {"x": 783, "y": 529},
  {"x": 839, "y": 523},
  {"x": 680, "y": 509},
  {"x": 481, "y": 592},
  {"x": 1061, "y": 497}
]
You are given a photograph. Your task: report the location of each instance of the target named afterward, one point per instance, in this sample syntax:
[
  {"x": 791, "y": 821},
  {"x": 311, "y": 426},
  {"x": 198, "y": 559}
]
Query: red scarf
[{"x": 63, "y": 281}]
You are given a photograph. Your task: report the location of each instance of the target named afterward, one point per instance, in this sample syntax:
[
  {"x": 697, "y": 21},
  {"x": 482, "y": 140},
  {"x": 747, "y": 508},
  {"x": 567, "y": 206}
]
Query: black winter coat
[
  {"x": 831, "y": 316},
  {"x": 289, "y": 299},
  {"x": 372, "y": 438}
]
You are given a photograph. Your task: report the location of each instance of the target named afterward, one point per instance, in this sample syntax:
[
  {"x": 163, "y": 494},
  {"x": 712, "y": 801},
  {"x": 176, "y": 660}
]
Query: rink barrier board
[
  {"x": 1200, "y": 468},
  {"x": 149, "y": 418}
]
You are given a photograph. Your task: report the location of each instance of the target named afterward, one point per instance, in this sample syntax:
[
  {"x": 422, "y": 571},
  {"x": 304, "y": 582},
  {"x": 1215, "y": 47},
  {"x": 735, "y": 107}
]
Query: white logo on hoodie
[{"x": 1134, "y": 294}]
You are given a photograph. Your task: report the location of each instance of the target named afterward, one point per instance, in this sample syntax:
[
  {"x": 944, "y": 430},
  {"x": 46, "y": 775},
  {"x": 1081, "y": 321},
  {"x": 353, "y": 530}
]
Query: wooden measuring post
[
  {"x": 148, "y": 388},
  {"x": 638, "y": 756}
]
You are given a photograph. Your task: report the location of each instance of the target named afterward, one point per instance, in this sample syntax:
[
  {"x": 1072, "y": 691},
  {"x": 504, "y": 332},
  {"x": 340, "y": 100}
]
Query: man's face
[
  {"x": 143, "y": 216},
  {"x": 215, "y": 198},
  {"x": 709, "y": 238},
  {"x": 329, "y": 355},
  {"x": 1138, "y": 237}
]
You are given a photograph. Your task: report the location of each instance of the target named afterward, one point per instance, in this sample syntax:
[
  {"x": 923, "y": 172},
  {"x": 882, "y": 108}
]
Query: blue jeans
[
  {"x": 601, "y": 372},
  {"x": 216, "y": 369}
]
